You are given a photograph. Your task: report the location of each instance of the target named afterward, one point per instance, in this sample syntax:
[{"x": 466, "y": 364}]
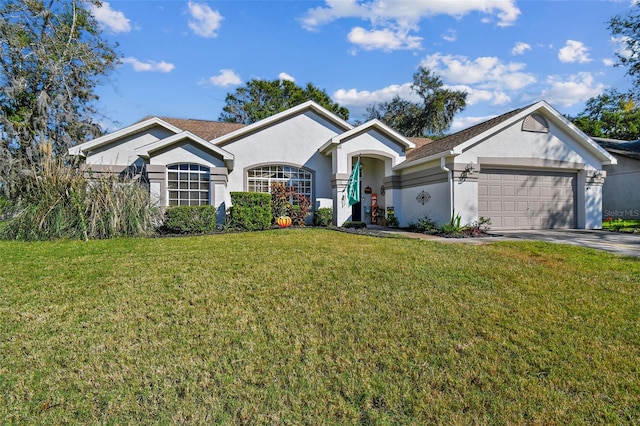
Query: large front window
[
  {"x": 261, "y": 178},
  {"x": 188, "y": 184}
]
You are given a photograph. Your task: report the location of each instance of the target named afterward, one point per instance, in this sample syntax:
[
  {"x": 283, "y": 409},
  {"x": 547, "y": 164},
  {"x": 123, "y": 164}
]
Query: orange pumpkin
[{"x": 284, "y": 221}]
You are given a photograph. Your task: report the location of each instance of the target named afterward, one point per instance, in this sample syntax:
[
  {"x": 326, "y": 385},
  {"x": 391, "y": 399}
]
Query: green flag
[{"x": 353, "y": 187}]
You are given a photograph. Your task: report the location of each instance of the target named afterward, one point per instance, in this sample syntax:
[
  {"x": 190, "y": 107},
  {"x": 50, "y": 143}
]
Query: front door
[{"x": 356, "y": 212}]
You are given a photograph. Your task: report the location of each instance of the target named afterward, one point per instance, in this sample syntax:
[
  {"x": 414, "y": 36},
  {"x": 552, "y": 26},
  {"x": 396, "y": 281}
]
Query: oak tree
[
  {"x": 52, "y": 57},
  {"x": 431, "y": 116},
  {"x": 259, "y": 99}
]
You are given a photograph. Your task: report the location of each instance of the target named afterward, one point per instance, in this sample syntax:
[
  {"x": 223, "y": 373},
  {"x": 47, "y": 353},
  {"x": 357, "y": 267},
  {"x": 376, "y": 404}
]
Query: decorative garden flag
[{"x": 353, "y": 187}]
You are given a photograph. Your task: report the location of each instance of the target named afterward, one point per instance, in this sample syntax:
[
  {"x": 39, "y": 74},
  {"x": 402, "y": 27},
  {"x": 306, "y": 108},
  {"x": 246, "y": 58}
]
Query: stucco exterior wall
[
  {"x": 437, "y": 208},
  {"x": 292, "y": 142},
  {"x": 465, "y": 200},
  {"x": 122, "y": 151},
  {"x": 621, "y": 191}
]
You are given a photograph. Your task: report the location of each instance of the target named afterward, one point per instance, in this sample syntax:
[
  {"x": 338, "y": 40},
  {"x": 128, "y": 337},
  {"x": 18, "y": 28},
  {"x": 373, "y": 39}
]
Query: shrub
[
  {"x": 354, "y": 225},
  {"x": 323, "y": 216},
  {"x": 279, "y": 200},
  {"x": 424, "y": 225},
  {"x": 453, "y": 227},
  {"x": 392, "y": 221},
  {"x": 286, "y": 202},
  {"x": 300, "y": 211},
  {"x": 61, "y": 202},
  {"x": 190, "y": 220},
  {"x": 250, "y": 211}
]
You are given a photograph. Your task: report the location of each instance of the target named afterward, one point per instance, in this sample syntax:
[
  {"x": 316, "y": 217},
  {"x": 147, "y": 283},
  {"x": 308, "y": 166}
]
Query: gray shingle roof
[{"x": 624, "y": 148}]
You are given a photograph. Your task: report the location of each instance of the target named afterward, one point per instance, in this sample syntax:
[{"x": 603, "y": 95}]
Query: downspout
[{"x": 449, "y": 173}]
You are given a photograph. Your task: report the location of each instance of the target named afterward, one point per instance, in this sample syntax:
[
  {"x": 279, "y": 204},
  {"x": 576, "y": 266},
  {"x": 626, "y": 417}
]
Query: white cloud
[
  {"x": 147, "y": 66},
  {"x": 484, "y": 79},
  {"x": 363, "y": 98},
  {"x": 608, "y": 62},
  {"x": 392, "y": 22},
  {"x": 226, "y": 77},
  {"x": 461, "y": 123},
  {"x": 450, "y": 35},
  {"x": 488, "y": 72},
  {"x": 574, "y": 51},
  {"x": 385, "y": 39},
  {"x": 402, "y": 11},
  {"x": 285, "y": 77},
  {"x": 205, "y": 22},
  {"x": 520, "y": 48},
  {"x": 112, "y": 20},
  {"x": 475, "y": 96},
  {"x": 572, "y": 90},
  {"x": 358, "y": 100}
]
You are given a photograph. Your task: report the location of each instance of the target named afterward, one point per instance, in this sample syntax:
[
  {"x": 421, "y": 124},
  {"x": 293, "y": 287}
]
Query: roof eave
[
  {"x": 148, "y": 150},
  {"x": 86, "y": 147},
  {"x": 437, "y": 156}
]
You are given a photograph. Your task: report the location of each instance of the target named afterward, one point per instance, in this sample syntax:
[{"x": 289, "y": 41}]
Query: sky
[{"x": 181, "y": 58}]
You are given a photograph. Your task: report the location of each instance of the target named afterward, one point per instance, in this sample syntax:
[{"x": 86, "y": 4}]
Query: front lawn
[{"x": 306, "y": 326}]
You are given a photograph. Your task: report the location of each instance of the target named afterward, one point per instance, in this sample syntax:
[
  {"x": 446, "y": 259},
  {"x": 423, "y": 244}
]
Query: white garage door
[{"x": 515, "y": 199}]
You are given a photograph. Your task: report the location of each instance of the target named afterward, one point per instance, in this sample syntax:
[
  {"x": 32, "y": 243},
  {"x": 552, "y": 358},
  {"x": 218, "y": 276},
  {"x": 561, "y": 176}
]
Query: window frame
[
  {"x": 190, "y": 186},
  {"x": 291, "y": 175}
]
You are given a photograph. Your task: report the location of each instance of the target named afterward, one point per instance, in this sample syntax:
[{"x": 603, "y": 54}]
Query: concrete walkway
[{"x": 614, "y": 242}]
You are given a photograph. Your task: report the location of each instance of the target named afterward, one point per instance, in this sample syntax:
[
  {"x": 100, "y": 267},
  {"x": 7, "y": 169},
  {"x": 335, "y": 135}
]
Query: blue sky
[{"x": 180, "y": 59}]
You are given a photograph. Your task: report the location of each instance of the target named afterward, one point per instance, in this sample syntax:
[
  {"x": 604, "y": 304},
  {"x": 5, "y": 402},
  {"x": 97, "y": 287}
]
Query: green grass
[{"x": 316, "y": 327}]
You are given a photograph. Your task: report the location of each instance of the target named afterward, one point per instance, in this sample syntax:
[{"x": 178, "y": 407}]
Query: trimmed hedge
[
  {"x": 190, "y": 220},
  {"x": 250, "y": 211},
  {"x": 323, "y": 216}
]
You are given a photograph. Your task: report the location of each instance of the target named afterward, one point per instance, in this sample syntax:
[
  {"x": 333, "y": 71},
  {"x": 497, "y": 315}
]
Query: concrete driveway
[{"x": 615, "y": 242}]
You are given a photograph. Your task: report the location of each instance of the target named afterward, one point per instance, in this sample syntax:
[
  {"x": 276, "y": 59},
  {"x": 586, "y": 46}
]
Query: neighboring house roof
[
  {"x": 457, "y": 142},
  {"x": 207, "y": 130},
  {"x": 281, "y": 116},
  {"x": 624, "y": 148}
]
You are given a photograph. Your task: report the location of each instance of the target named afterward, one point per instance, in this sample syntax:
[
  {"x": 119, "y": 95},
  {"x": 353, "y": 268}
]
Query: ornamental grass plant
[{"x": 61, "y": 201}]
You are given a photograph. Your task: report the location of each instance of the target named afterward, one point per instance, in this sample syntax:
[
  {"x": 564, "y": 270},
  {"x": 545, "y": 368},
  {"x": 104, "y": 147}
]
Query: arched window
[
  {"x": 188, "y": 184},
  {"x": 260, "y": 179}
]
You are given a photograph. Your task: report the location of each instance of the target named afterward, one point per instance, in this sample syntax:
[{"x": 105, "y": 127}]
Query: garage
[{"x": 524, "y": 199}]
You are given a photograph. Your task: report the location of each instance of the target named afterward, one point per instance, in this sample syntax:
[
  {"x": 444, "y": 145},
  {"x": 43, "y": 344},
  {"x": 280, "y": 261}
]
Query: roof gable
[
  {"x": 282, "y": 116},
  {"x": 463, "y": 139},
  {"x": 448, "y": 143},
  {"x": 83, "y": 148},
  {"x": 364, "y": 128},
  {"x": 148, "y": 150}
]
